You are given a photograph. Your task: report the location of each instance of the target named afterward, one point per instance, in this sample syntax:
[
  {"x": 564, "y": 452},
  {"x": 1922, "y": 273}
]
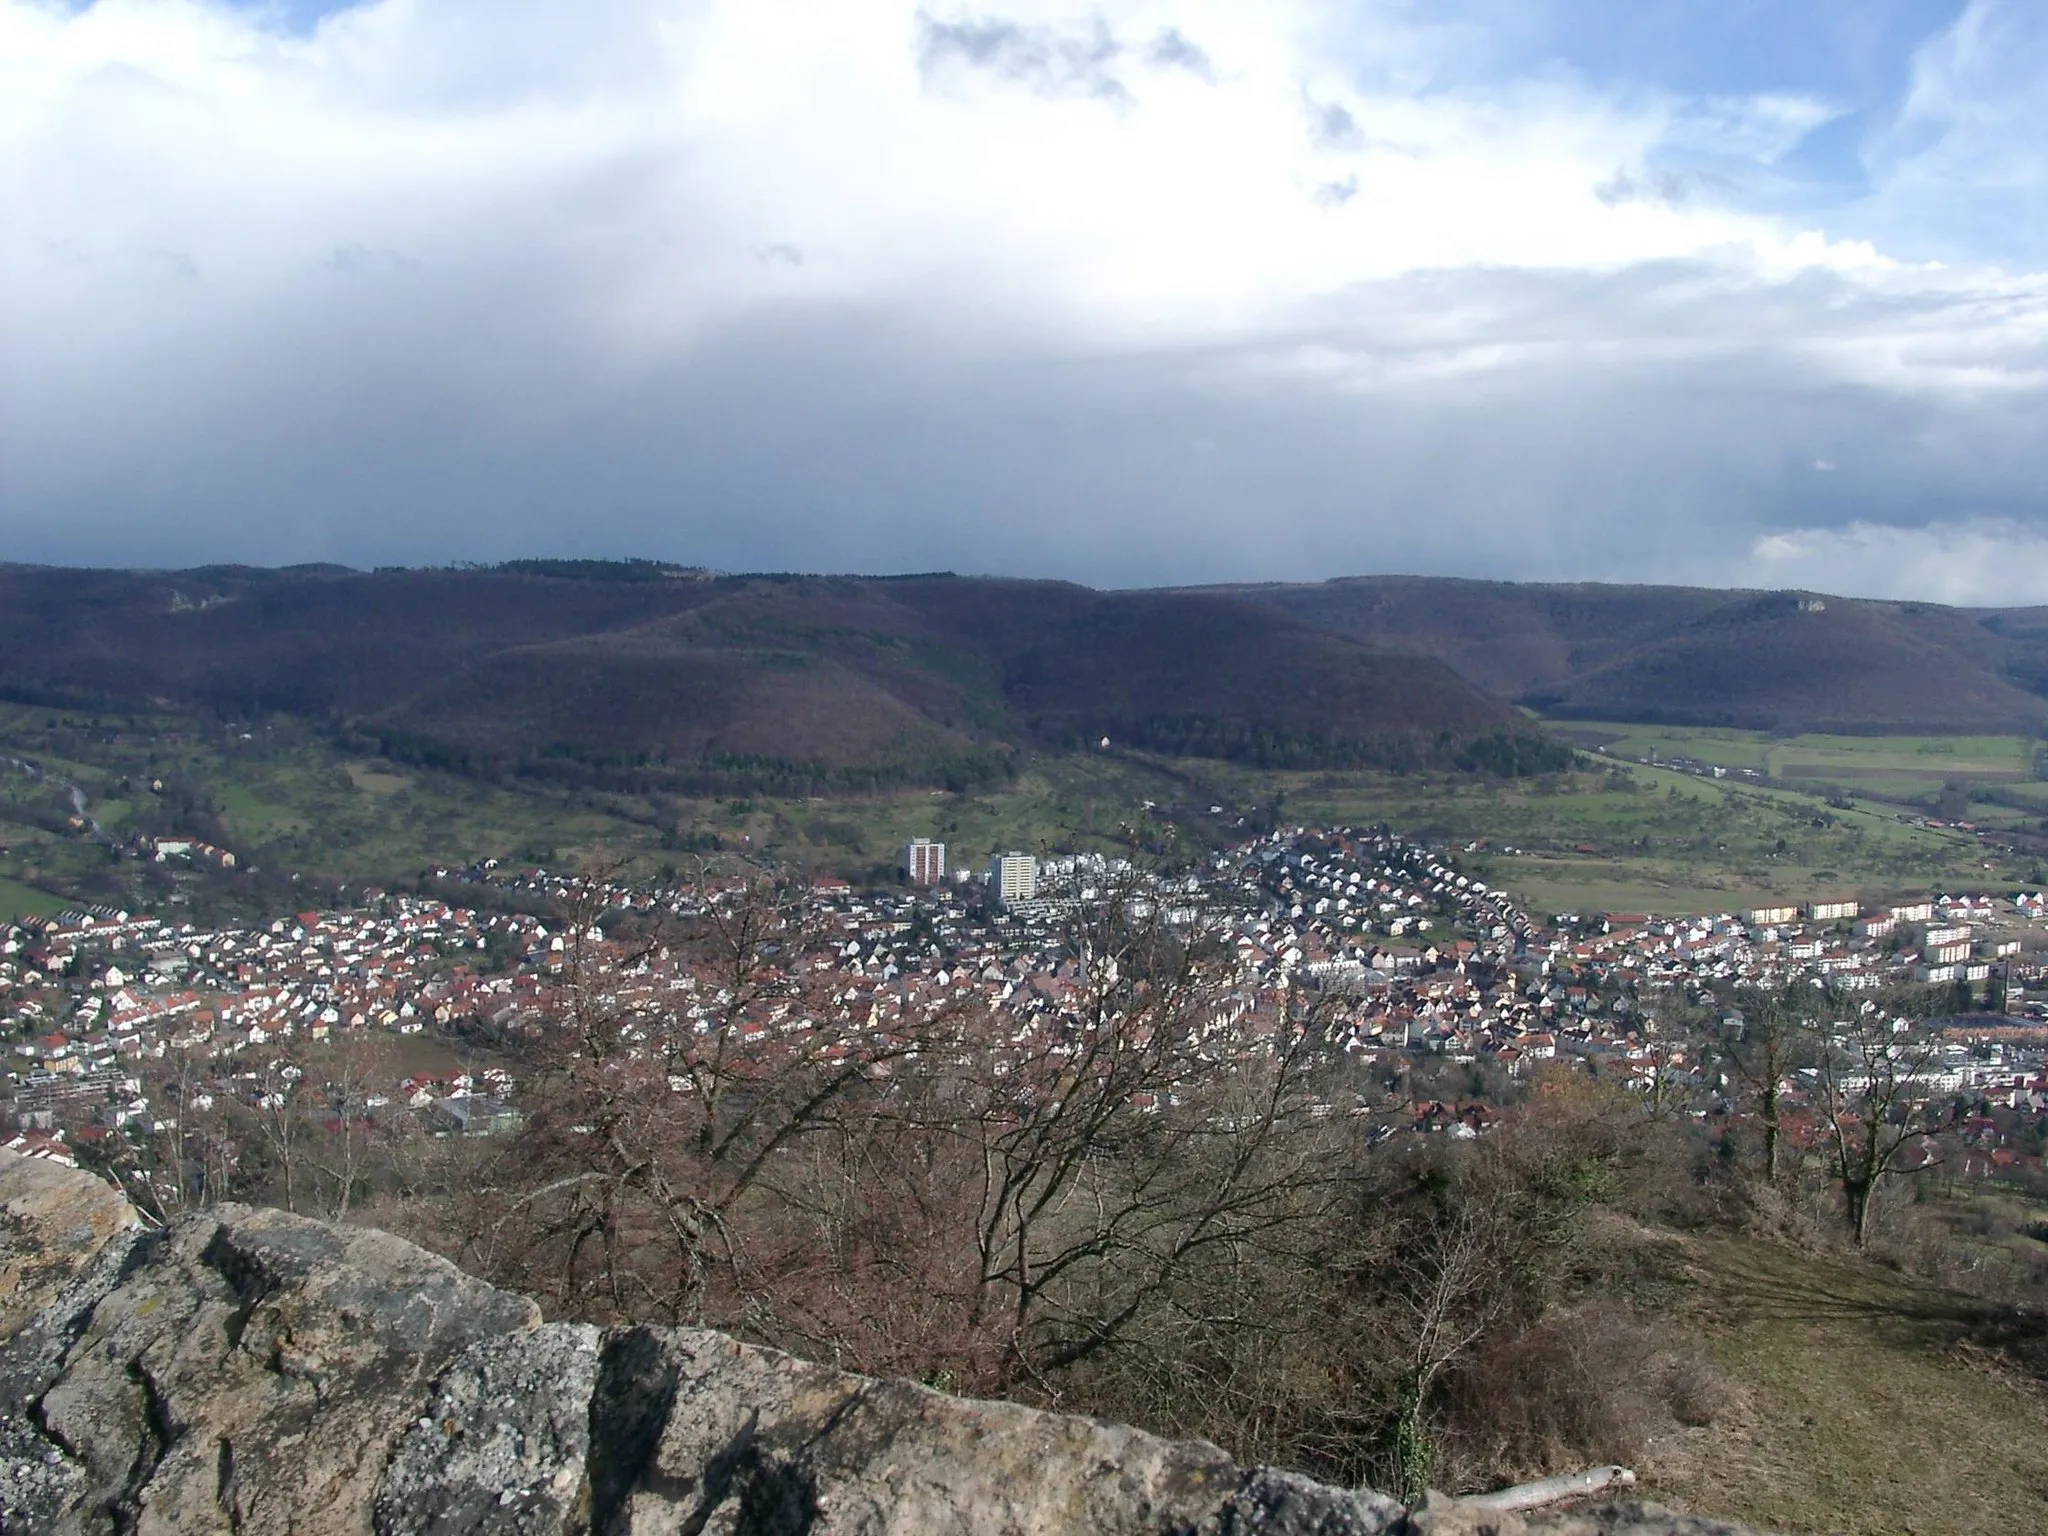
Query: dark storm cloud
[
  {"x": 842, "y": 441},
  {"x": 754, "y": 295}
]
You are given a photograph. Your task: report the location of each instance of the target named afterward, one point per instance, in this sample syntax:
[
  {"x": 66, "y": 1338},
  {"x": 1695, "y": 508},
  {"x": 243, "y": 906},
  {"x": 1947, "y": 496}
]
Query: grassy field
[
  {"x": 281, "y": 799},
  {"x": 375, "y": 780},
  {"x": 1889, "y": 766},
  {"x": 1648, "y": 839},
  {"x": 289, "y": 797},
  {"x": 1621, "y": 837},
  {"x": 1086, "y": 801},
  {"x": 1644, "y": 839},
  {"x": 18, "y": 900},
  {"x": 1863, "y": 1408},
  {"x": 255, "y": 818}
]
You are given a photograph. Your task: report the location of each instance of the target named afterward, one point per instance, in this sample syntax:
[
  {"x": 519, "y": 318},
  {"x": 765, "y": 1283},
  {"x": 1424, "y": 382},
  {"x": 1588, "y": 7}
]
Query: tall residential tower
[
  {"x": 1013, "y": 877},
  {"x": 924, "y": 861}
]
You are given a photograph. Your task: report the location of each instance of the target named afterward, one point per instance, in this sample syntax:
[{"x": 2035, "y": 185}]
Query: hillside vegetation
[
  {"x": 1776, "y": 661},
  {"x": 642, "y": 676},
  {"x": 631, "y": 675}
]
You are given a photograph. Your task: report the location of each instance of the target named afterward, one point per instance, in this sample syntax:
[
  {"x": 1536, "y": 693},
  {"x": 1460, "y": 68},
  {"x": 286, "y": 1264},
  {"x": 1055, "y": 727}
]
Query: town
[{"x": 1422, "y": 976}]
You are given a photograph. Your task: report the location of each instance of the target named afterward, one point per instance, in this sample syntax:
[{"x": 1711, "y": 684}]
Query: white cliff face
[{"x": 254, "y": 1373}]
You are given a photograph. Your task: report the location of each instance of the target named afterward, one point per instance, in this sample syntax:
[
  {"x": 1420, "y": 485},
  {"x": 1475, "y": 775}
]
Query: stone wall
[{"x": 249, "y": 1372}]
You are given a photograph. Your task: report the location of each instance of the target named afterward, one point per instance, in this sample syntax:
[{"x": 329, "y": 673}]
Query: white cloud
[
  {"x": 1763, "y": 128},
  {"x": 1963, "y": 170},
  {"x": 880, "y": 282},
  {"x": 1032, "y": 156},
  {"x": 1972, "y": 562}
]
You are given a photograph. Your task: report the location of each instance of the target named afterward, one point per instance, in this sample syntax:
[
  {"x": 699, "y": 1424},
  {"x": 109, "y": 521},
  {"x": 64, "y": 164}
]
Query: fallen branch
[{"x": 1549, "y": 1490}]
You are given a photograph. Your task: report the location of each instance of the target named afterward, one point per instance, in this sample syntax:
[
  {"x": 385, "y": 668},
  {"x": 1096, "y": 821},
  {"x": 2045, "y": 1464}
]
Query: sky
[{"x": 1728, "y": 292}]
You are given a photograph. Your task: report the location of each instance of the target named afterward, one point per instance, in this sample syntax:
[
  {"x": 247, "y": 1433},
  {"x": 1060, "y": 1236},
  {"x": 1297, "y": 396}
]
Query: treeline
[
  {"x": 576, "y": 767},
  {"x": 18, "y": 685},
  {"x": 240, "y": 700},
  {"x": 633, "y": 570},
  {"x": 1500, "y": 754},
  {"x": 1503, "y": 754}
]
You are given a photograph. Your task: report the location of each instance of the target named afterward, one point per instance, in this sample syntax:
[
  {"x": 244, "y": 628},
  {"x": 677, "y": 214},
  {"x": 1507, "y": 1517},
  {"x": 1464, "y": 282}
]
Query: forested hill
[
  {"x": 611, "y": 671},
  {"x": 1697, "y": 656},
  {"x": 593, "y": 671}
]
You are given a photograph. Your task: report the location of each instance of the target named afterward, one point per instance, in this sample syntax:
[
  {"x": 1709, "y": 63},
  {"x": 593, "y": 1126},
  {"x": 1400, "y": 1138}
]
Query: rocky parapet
[
  {"x": 53, "y": 1222},
  {"x": 249, "y": 1372}
]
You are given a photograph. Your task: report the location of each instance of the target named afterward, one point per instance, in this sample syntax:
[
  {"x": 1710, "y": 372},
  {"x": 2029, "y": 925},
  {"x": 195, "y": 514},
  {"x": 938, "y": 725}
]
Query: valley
[
  {"x": 336, "y": 826},
  {"x": 1606, "y": 836}
]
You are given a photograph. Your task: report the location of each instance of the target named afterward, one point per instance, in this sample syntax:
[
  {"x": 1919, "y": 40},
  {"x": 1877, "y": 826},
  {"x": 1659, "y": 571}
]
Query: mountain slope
[
  {"x": 1768, "y": 664},
  {"x": 1508, "y": 637},
  {"x": 1691, "y": 655},
  {"x": 593, "y": 669}
]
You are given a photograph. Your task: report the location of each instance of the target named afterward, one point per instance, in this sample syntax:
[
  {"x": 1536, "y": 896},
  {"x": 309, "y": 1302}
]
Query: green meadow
[
  {"x": 1611, "y": 835},
  {"x": 18, "y": 900},
  {"x": 1890, "y": 766}
]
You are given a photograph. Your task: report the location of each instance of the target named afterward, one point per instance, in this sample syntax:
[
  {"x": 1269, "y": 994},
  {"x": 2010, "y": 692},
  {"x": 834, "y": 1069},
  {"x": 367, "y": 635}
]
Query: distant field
[
  {"x": 1642, "y": 839},
  {"x": 1557, "y": 885},
  {"x": 1079, "y": 801},
  {"x": 18, "y": 900},
  {"x": 1617, "y": 838},
  {"x": 286, "y": 798},
  {"x": 1646, "y": 839},
  {"x": 1860, "y": 1408},
  {"x": 376, "y": 781},
  {"x": 1878, "y": 765},
  {"x": 256, "y": 817}
]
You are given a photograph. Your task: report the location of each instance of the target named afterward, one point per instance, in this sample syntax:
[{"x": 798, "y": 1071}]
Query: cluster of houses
[
  {"x": 1403, "y": 958},
  {"x": 164, "y": 850}
]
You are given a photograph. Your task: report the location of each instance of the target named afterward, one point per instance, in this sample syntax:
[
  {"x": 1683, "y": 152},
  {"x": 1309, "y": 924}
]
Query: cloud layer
[{"x": 1133, "y": 293}]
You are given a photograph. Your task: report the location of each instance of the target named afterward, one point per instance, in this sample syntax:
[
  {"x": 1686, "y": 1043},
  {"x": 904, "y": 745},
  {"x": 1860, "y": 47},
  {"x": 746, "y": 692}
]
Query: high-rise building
[
  {"x": 924, "y": 861},
  {"x": 1013, "y": 877}
]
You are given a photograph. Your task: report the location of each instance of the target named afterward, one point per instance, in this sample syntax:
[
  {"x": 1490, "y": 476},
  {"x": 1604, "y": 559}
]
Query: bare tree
[
  {"x": 1137, "y": 1136},
  {"x": 341, "y": 1141},
  {"x": 155, "y": 1166},
  {"x": 1876, "y": 1080},
  {"x": 280, "y": 1121},
  {"x": 1668, "y": 1070},
  {"x": 1444, "y": 1278},
  {"x": 1047, "y": 1185},
  {"x": 1774, "y": 1039},
  {"x": 677, "y": 1071}
]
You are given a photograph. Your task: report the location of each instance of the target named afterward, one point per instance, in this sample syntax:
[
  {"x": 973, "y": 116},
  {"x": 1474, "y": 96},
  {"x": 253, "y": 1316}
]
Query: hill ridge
[
  {"x": 843, "y": 681},
  {"x": 1768, "y": 659}
]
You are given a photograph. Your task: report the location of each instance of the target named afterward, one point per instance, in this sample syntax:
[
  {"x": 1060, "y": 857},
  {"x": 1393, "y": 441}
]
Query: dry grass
[{"x": 1861, "y": 1403}]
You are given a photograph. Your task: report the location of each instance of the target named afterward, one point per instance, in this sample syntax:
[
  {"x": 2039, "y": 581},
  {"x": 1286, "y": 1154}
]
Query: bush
[{"x": 1583, "y": 1385}]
